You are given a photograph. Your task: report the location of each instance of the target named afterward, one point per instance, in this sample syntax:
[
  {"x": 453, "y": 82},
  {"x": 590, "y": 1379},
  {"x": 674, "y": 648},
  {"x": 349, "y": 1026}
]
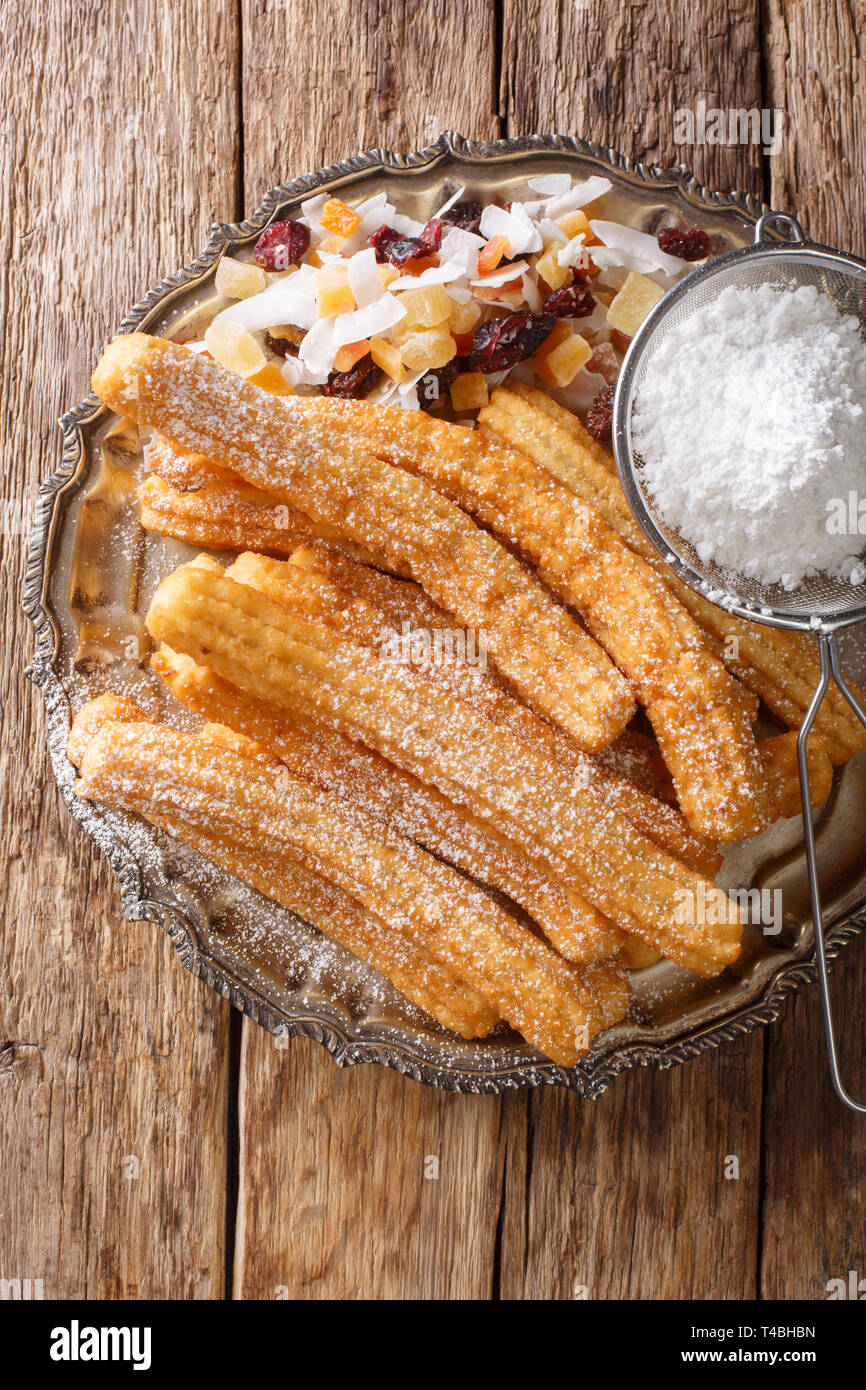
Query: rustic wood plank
[
  {"x": 616, "y": 74},
  {"x": 341, "y": 1208},
  {"x": 119, "y": 151},
  {"x": 390, "y": 73},
  {"x": 626, "y": 1197},
  {"x": 814, "y": 1206}
]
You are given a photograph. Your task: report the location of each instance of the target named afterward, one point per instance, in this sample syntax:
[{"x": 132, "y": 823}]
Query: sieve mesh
[{"x": 819, "y": 600}]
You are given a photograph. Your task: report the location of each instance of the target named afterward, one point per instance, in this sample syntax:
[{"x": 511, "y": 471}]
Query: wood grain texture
[
  {"x": 814, "y": 1213},
  {"x": 617, "y": 73},
  {"x": 112, "y": 1059},
  {"x": 322, "y": 81}
]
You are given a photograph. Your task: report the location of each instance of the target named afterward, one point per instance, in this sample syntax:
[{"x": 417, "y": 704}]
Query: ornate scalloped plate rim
[{"x": 591, "y": 1076}]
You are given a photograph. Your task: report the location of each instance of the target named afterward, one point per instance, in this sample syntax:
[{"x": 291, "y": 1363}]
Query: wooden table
[{"x": 151, "y": 1142}]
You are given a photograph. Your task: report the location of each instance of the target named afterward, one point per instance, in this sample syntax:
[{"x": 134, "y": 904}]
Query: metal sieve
[{"x": 819, "y": 605}]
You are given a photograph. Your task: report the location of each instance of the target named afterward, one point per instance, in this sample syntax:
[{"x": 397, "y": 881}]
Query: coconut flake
[
  {"x": 572, "y": 253},
  {"x": 532, "y": 294},
  {"x": 441, "y": 274},
  {"x": 551, "y": 231},
  {"x": 373, "y": 319},
  {"x": 518, "y": 229},
  {"x": 550, "y": 184},
  {"x": 365, "y": 281},
  {"x": 462, "y": 247},
  {"x": 455, "y": 198},
  {"x": 291, "y": 300},
  {"x": 635, "y": 250},
  {"x": 319, "y": 348},
  {"x": 578, "y": 197},
  {"x": 501, "y": 277}
]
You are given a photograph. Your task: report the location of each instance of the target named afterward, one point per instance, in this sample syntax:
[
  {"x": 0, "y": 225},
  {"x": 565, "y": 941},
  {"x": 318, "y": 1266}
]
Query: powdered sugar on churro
[{"x": 750, "y": 422}]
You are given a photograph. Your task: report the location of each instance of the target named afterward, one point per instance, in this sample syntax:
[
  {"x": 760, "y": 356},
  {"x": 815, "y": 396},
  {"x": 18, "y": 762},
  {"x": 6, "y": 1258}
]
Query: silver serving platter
[{"x": 91, "y": 572}]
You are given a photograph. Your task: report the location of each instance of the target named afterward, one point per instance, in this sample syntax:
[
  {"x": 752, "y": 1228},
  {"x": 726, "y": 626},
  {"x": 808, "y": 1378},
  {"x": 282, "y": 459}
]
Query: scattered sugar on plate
[{"x": 750, "y": 422}]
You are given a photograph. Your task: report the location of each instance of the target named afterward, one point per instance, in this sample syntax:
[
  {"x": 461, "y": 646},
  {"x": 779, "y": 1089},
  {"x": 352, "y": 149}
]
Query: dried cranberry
[
  {"x": 599, "y": 417},
  {"x": 353, "y": 385},
  {"x": 391, "y": 245},
  {"x": 434, "y": 384},
  {"x": 282, "y": 244},
  {"x": 603, "y": 362},
  {"x": 466, "y": 216},
  {"x": 690, "y": 245},
  {"x": 283, "y": 347},
  {"x": 500, "y": 344},
  {"x": 572, "y": 302},
  {"x": 432, "y": 234}
]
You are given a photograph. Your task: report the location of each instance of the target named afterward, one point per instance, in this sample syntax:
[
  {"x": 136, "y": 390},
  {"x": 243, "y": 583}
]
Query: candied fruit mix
[
  {"x": 282, "y": 244},
  {"x": 560, "y": 366},
  {"x": 270, "y": 378},
  {"x": 469, "y": 391},
  {"x": 239, "y": 279},
  {"x": 351, "y": 353},
  {"x": 690, "y": 244},
  {"x": 353, "y": 385},
  {"x": 387, "y": 356},
  {"x": 500, "y": 344},
  {"x": 333, "y": 291},
  {"x": 234, "y": 347},
  {"x": 551, "y": 272},
  {"x": 428, "y": 348},
  {"x": 339, "y": 218},
  {"x": 426, "y": 307},
  {"x": 491, "y": 254},
  {"x": 634, "y": 301},
  {"x": 599, "y": 417}
]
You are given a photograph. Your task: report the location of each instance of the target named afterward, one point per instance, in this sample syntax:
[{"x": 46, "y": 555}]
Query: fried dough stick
[
  {"x": 201, "y": 406},
  {"x": 780, "y": 667},
  {"x": 417, "y": 974},
  {"x": 605, "y": 980},
  {"x": 396, "y": 602},
  {"x": 152, "y": 769},
  {"x": 298, "y": 664},
  {"x": 416, "y": 811},
  {"x": 697, "y": 709}
]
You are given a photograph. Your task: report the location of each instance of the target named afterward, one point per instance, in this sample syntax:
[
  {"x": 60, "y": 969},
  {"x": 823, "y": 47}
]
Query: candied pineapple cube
[
  {"x": 348, "y": 355},
  {"x": 270, "y": 378},
  {"x": 572, "y": 223},
  {"x": 491, "y": 254},
  {"x": 387, "y": 356},
  {"x": 428, "y": 349},
  {"x": 469, "y": 391},
  {"x": 389, "y": 273},
  {"x": 634, "y": 301},
  {"x": 548, "y": 267},
  {"x": 510, "y": 293},
  {"x": 425, "y": 307},
  {"x": 562, "y": 364},
  {"x": 561, "y": 330},
  {"x": 234, "y": 347},
  {"x": 239, "y": 279},
  {"x": 333, "y": 291},
  {"x": 339, "y": 218},
  {"x": 462, "y": 318}
]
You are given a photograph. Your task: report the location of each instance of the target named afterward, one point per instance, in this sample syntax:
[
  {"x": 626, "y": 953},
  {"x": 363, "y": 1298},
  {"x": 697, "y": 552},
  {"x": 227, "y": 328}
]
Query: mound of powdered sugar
[{"x": 750, "y": 421}]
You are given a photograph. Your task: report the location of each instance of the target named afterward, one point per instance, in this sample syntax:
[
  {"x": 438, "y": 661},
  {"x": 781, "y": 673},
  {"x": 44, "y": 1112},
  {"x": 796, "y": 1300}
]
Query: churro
[
  {"x": 383, "y": 509},
  {"x": 153, "y": 769},
  {"x": 413, "y": 810},
  {"x": 350, "y": 590},
  {"x": 300, "y": 665}
]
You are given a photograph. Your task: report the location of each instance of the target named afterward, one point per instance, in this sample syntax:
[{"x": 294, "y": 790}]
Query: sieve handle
[
  {"x": 782, "y": 220},
  {"x": 830, "y": 663}
]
